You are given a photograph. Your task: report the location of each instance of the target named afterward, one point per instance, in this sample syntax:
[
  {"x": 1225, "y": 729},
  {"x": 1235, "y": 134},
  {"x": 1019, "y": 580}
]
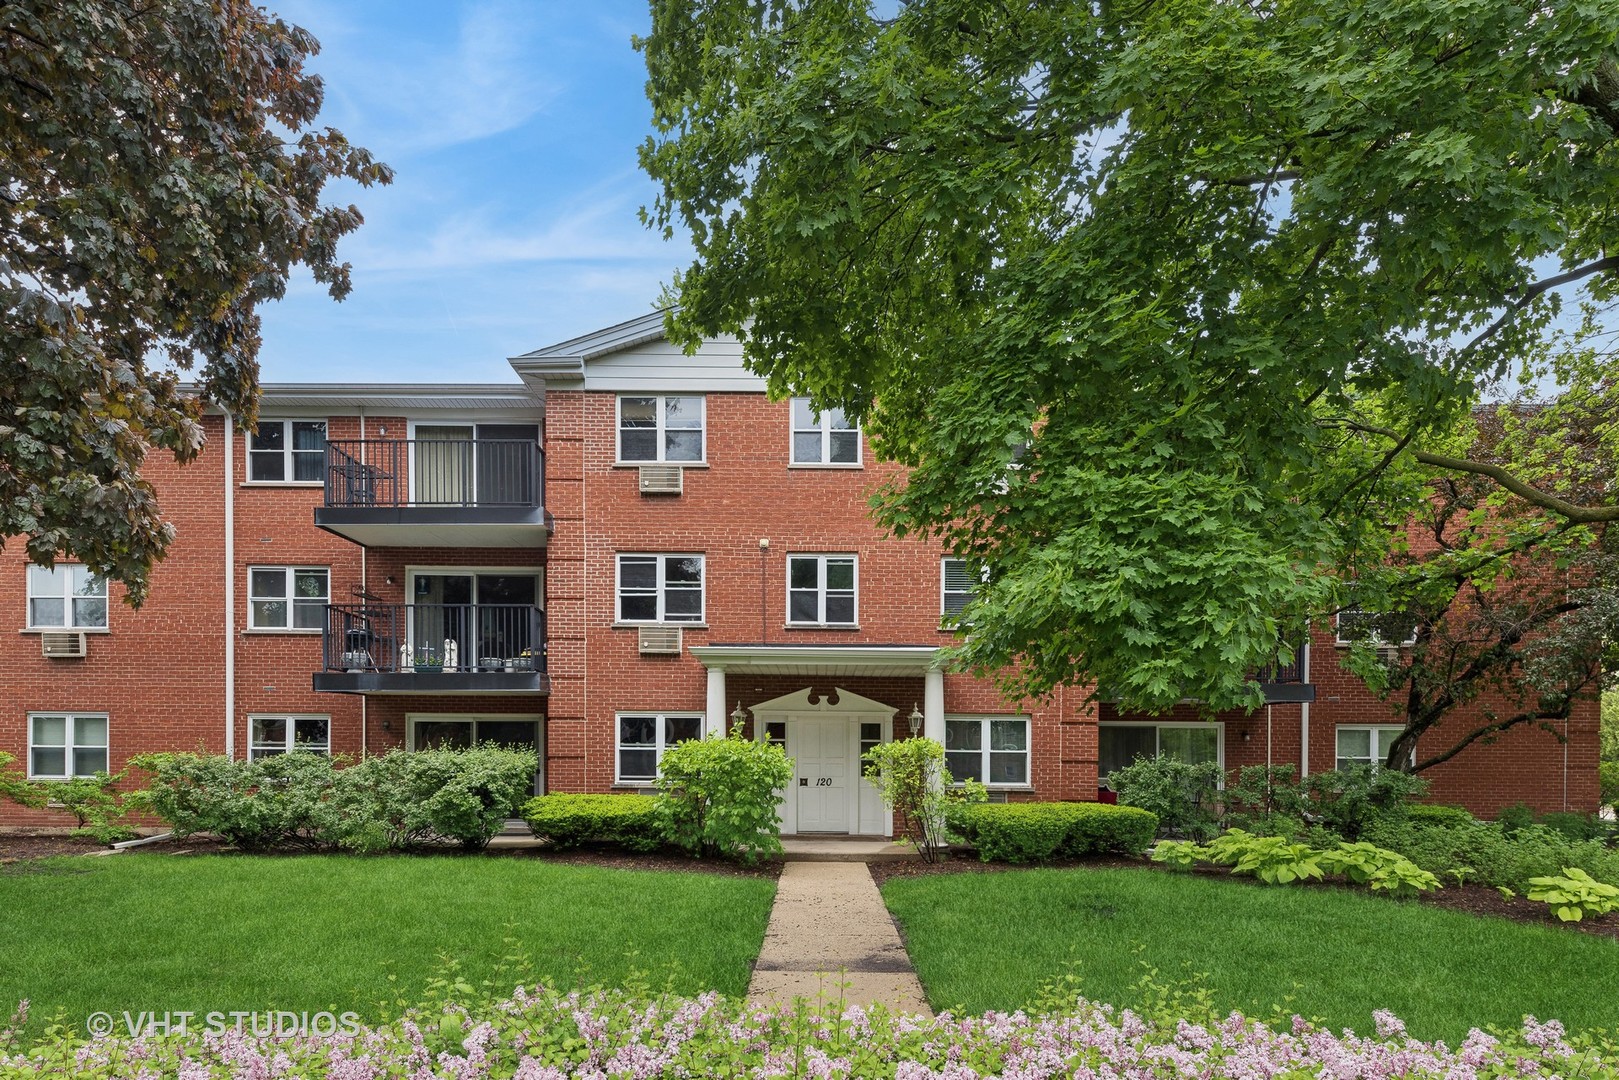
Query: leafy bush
[
  {"x": 1035, "y": 832},
  {"x": 1272, "y": 859},
  {"x": 14, "y": 784},
  {"x": 1516, "y": 817},
  {"x": 718, "y": 796},
  {"x": 94, "y": 805},
  {"x": 1347, "y": 801},
  {"x": 1267, "y": 799},
  {"x": 1608, "y": 775},
  {"x": 396, "y": 800},
  {"x": 406, "y": 798},
  {"x": 1439, "y": 814},
  {"x": 630, "y": 821},
  {"x": 1574, "y": 825},
  {"x": 253, "y": 805},
  {"x": 1183, "y": 797},
  {"x": 1486, "y": 853},
  {"x": 909, "y": 776},
  {"x": 1379, "y": 869}
]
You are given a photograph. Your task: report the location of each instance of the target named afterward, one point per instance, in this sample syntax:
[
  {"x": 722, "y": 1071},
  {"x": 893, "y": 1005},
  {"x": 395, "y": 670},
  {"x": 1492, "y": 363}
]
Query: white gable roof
[{"x": 636, "y": 356}]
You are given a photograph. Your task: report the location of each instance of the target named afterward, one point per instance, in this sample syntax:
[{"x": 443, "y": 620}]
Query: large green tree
[
  {"x": 1162, "y": 302},
  {"x": 162, "y": 175}
]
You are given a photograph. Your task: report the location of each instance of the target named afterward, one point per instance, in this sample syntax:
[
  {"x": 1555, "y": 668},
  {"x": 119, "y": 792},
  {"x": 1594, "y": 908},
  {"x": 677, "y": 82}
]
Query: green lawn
[
  {"x": 988, "y": 941},
  {"x": 200, "y": 932}
]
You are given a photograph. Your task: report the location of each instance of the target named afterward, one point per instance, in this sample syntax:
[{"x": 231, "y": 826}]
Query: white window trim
[
  {"x": 825, "y": 428},
  {"x": 254, "y": 746},
  {"x": 290, "y": 597},
  {"x": 71, "y": 744},
  {"x": 618, "y": 430},
  {"x": 661, "y": 744},
  {"x": 286, "y": 452},
  {"x": 1380, "y": 751},
  {"x": 952, "y": 616},
  {"x": 661, "y": 588},
  {"x": 820, "y": 591},
  {"x": 1202, "y": 725},
  {"x": 983, "y": 720},
  {"x": 67, "y": 603},
  {"x": 1375, "y": 640}
]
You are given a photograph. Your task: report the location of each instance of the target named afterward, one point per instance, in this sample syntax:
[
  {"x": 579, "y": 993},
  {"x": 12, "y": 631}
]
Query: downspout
[
  {"x": 1304, "y": 719},
  {"x": 1268, "y": 759},
  {"x": 364, "y": 588},
  {"x": 230, "y": 585}
]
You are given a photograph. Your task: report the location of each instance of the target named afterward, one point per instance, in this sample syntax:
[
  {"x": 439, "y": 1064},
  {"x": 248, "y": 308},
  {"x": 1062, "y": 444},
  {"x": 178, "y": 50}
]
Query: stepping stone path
[{"x": 831, "y": 936}]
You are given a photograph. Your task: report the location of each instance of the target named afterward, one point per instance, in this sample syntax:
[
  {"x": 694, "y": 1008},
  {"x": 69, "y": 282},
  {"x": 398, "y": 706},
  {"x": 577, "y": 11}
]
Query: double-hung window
[
  {"x": 272, "y": 735},
  {"x": 822, "y": 590},
  {"x": 287, "y": 597},
  {"x": 643, "y": 737},
  {"x": 287, "y": 450},
  {"x": 63, "y": 745},
  {"x": 660, "y": 588},
  {"x": 66, "y": 596},
  {"x": 660, "y": 427},
  {"x": 990, "y": 749},
  {"x": 827, "y": 438},
  {"x": 1366, "y": 744},
  {"x": 956, "y": 584}
]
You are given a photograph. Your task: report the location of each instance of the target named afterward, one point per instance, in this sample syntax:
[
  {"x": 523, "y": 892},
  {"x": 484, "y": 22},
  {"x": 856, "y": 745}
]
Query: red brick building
[{"x": 623, "y": 548}]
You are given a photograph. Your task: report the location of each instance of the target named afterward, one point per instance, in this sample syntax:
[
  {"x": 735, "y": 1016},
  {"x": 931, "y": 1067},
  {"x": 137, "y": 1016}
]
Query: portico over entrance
[{"x": 823, "y": 726}]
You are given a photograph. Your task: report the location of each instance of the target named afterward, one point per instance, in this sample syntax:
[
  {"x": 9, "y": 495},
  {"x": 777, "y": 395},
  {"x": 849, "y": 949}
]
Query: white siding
[{"x": 659, "y": 366}]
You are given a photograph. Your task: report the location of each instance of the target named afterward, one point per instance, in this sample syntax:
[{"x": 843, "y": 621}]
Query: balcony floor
[{"x": 443, "y": 682}]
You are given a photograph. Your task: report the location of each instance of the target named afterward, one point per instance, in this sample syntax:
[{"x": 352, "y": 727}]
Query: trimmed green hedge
[
  {"x": 570, "y": 820},
  {"x": 1035, "y": 832}
]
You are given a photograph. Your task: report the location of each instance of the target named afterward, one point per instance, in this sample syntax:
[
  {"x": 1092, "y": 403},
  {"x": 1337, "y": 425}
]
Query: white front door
[{"x": 821, "y": 781}]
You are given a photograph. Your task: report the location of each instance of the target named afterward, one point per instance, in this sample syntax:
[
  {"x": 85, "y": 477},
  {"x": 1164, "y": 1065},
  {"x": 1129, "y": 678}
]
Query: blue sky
[{"x": 512, "y": 126}]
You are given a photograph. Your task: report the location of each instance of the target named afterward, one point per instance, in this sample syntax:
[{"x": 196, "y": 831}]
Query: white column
[
  {"x": 933, "y": 704},
  {"x": 716, "y": 720}
]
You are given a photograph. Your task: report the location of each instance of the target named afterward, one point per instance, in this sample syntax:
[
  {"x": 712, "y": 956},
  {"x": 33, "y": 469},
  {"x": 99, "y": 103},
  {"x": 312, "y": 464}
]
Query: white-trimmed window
[
  {"x": 827, "y": 438},
  {"x": 272, "y": 735},
  {"x": 287, "y": 597},
  {"x": 66, "y": 596},
  {"x": 643, "y": 737},
  {"x": 661, "y": 427},
  {"x": 281, "y": 451},
  {"x": 1354, "y": 624},
  {"x": 1365, "y": 744},
  {"x": 956, "y": 585},
  {"x": 63, "y": 745},
  {"x": 822, "y": 590},
  {"x": 660, "y": 588},
  {"x": 990, "y": 749},
  {"x": 1119, "y": 745}
]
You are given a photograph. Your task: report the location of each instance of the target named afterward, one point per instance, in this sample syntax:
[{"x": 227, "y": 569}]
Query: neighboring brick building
[{"x": 620, "y": 550}]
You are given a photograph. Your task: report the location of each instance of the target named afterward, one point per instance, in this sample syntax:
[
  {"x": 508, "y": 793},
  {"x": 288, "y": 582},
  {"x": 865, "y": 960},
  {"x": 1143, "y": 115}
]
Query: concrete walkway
[{"x": 831, "y": 936}]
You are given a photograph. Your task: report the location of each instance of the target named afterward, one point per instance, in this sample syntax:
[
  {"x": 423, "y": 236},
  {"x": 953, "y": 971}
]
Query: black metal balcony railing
[
  {"x": 434, "y": 472},
  {"x": 1278, "y": 672},
  {"x": 434, "y": 638}
]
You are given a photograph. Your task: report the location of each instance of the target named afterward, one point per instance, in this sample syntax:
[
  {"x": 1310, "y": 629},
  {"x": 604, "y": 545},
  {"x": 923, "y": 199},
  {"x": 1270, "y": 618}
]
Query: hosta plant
[
  {"x": 1181, "y": 854},
  {"x": 1271, "y": 859},
  {"x": 1378, "y": 868},
  {"x": 1575, "y": 894}
]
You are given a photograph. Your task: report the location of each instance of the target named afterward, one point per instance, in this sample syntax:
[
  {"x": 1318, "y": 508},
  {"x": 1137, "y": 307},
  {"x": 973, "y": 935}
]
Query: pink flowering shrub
[{"x": 548, "y": 1035}]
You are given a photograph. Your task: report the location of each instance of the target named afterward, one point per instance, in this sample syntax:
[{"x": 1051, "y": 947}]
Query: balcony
[
  {"x": 469, "y": 492},
  {"x": 433, "y": 649},
  {"x": 1284, "y": 683}
]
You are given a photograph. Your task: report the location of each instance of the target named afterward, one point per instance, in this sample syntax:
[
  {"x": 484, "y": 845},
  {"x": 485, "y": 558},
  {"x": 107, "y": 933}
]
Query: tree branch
[{"x": 1539, "y": 288}]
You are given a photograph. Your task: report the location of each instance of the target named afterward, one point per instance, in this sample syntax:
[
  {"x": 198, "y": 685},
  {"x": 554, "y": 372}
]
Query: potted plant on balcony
[
  {"x": 523, "y": 661},
  {"x": 428, "y": 662}
]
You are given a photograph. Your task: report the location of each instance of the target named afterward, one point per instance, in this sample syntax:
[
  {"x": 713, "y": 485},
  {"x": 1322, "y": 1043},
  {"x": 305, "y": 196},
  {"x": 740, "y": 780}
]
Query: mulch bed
[
  {"x": 1481, "y": 900},
  {"x": 613, "y": 858},
  {"x": 43, "y": 845}
]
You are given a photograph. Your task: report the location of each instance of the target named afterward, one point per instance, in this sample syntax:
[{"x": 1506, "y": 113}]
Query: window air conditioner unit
[
  {"x": 660, "y": 640},
  {"x": 661, "y": 479},
  {"x": 63, "y": 645}
]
